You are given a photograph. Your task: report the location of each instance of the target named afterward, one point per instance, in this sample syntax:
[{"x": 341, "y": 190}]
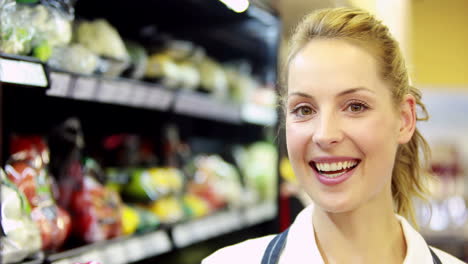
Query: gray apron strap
[
  {"x": 435, "y": 258},
  {"x": 274, "y": 248}
]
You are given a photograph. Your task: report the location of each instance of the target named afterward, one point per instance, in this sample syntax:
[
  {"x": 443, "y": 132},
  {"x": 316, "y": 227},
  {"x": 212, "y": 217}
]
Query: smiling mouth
[{"x": 334, "y": 169}]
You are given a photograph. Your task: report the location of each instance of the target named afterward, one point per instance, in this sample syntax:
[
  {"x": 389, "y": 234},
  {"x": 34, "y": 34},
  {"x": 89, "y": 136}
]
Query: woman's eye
[
  {"x": 302, "y": 111},
  {"x": 357, "y": 107}
]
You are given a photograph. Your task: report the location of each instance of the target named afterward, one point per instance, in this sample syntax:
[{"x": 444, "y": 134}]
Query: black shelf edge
[{"x": 138, "y": 247}]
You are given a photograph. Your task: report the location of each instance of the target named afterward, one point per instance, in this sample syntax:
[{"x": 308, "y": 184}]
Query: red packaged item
[
  {"x": 95, "y": 210},
  {"x": 27, "y": 169}
]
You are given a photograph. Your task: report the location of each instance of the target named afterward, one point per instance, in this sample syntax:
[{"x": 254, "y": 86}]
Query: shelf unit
[
  {"x": 38, "y": 97},
  {"x": 133, "y": 94},
  {"x": 141, "y": 246}
]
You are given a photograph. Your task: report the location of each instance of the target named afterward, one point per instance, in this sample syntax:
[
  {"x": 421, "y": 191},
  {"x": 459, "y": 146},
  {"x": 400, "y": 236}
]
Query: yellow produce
[{"x": 130, "y": 220}]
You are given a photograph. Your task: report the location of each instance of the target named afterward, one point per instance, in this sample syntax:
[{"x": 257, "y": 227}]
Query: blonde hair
[{"x": 361, "y": 28}]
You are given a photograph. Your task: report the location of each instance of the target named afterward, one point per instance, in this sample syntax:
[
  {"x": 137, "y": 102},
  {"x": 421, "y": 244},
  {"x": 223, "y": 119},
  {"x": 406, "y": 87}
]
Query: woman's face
[{"x": 342, "y": 129}]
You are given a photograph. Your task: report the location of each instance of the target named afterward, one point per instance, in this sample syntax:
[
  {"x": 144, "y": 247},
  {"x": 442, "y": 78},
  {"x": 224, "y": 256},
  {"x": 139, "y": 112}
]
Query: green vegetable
[
  {"x": 43, "y": 51},
  {"x": 27, "y": 1}
]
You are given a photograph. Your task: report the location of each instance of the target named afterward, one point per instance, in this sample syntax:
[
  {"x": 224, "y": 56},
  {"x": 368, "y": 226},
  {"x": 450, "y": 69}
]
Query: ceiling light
[{"x": 238, "y": 6}]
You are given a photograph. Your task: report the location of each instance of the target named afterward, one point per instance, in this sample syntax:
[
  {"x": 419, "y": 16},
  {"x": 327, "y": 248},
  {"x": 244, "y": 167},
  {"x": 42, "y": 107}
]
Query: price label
[
  {"x": 200, "y": 105},
  {"x": 182, "y": 236},
  {"x": 159, "y": 98},
  {"x": 85, "y": 88},
  {"x": 22, "y": 72},
  {"x": 139, "y": 96},
  {"x": 158, "y": 242},
  {"x": 107, "y": 91},
  {"x": 115, "y": 254},
  {"x": 60, "y": 83},
  {"x": 123, "y": 92},
  {"x": 260, "y": 115},
  {"x": 134, "y": 250}
]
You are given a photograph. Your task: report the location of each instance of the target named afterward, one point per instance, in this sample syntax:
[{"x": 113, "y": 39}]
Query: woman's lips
[{"x": 333, "y": 178}]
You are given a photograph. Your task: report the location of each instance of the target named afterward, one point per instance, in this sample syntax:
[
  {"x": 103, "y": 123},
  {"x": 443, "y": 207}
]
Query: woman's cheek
[{"x": 296, "y": 138}]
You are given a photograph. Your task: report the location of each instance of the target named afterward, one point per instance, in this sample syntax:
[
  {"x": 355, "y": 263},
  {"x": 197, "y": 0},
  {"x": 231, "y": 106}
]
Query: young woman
[{"x": 354, "y": 146}]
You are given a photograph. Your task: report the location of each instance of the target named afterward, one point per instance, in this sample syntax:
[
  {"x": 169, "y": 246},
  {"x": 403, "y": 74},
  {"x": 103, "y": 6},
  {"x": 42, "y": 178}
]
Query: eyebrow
[{"x": 345, "y": 92}]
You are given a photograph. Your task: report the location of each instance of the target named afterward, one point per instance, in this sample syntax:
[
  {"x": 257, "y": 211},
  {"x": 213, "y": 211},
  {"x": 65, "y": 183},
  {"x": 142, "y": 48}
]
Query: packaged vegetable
[
  {"x": 168, "y": 209},
  {"x": 215, "y": 181},
  {"x": 139, "y": 60},
  {"x": 74, "y": 58},
  {"x": 21, "y": 237},
  {"x": 39, "y": 27},
  {"x": 100, "y": 37},
  {"x": 256, "y": 163},
  {"x": 27, "y": 168},
  {"x": 95, "y": 209}
]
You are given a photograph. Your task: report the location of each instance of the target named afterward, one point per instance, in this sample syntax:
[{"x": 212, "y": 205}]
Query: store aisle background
[{"x": 135, "y": 128}]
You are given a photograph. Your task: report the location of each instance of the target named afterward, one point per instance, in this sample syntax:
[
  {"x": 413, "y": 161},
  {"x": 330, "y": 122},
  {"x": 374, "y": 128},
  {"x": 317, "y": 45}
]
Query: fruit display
[
  {"x": 21, "y": 237},
  {"x": 27, "y": 168},
  {"x": 137, "y": 194}
]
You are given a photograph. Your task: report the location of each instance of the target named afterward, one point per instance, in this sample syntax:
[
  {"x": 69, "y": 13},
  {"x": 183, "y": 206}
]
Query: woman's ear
[{"x": 407, "y": 118}]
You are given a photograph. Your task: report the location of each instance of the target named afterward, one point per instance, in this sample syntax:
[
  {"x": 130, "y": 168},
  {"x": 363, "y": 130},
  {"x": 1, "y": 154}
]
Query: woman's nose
[{"x": 327, "y": 132}]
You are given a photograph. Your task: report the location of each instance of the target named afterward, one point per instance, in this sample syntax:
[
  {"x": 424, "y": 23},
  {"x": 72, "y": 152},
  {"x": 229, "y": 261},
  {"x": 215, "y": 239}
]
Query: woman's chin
[{"x": 335, "y": 204}]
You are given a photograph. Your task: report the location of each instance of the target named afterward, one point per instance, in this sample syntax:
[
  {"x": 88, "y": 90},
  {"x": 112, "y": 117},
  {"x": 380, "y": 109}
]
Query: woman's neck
[{"x": 369, "y": 234}]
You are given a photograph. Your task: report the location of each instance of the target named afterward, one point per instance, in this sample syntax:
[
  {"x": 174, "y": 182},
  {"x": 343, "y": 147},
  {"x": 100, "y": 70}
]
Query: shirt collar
[{"x": 301, "y": 246}]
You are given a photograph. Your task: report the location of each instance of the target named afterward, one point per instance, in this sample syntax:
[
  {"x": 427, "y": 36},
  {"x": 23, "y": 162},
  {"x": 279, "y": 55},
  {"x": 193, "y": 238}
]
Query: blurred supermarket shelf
[
  {"x": 151, "y": 96},
  {"x": 28, "y": 72},
  {"x": 142, "y": 246},
  {"x": 201, "y": 105}
]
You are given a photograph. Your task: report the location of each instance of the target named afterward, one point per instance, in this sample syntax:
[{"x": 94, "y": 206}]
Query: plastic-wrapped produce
[
  {"x": 168, "y": 209},
  {"x": 51, "y": 26},
  {"x": 147, "y": 185},
  {"x": 16, "y": 31},
  {"x": 213, "y": 78},
  {"x": 162, "y": 66},
  {"x": 101, "y": 38},
  {"x": 95, "y": 209},
  {"x": 27, "y": 169},
  {"x": 139, "y": 60},
  {"x": 189, "y": 75},
  {"x": 27, "y": 27},
  {"x": 20, "y": 237},
  {"x": 260, "y": 176},
  {"x": 241, "y": 84},
  {"x": 147, "y": 220},
  {"x": 216, "y": 181},
  {"x": 74, "y": 58}
]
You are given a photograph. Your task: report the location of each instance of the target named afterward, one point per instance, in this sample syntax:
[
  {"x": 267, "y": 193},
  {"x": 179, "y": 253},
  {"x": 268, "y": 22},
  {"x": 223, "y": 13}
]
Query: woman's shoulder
[
  {"x": 446, "y": 258},
  {"x": 249, "y": 251}
]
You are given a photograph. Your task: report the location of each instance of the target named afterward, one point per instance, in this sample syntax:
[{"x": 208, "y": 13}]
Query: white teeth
[
  {"x": 334, "y": 175},
  {"x": 335, "y": 166}
]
